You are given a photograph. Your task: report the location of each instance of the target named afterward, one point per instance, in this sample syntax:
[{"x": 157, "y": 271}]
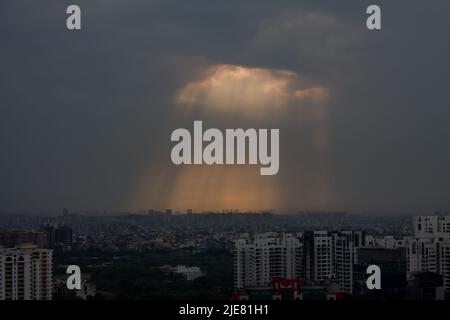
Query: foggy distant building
[
  {"x": 13, "y": 238},
  {"x": 187, "y": 273},
  {"x": 59, "y": 237},
  {"x": 64, "y": 235}
]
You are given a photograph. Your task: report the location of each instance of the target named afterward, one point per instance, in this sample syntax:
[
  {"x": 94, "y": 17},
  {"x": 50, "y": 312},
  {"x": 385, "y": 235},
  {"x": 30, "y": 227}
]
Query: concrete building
[
  {"x": 318, "y": 255},
  {"x": 431, "y": 226},
  {"x": 331, "y": 255},
  {"x": 187, "y": 273},
  {"x": 313, "y": 255},
  {"x": 345, "y": 245},
  {"x": 443, "y": 249},
  {"x": 59, "y": 237},
  {"x": 267, "y": 256},
  {"x": 25, "y": 273},
  {"x": 429, "y": 249}
]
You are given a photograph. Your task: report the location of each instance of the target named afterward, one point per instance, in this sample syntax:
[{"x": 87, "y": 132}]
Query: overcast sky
[{"x": 86, "y": 116}]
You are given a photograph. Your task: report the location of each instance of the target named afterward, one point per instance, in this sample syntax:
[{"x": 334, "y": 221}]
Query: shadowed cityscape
[
  {"x": 225, "y": 255},
  {"x": 225, "y": 151}
]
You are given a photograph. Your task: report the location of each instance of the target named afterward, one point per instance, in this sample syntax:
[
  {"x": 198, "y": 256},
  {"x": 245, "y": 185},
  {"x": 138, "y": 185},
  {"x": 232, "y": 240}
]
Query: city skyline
[
  {"x": 208, "y": 158},
  {"x": 255, "y": 257}
]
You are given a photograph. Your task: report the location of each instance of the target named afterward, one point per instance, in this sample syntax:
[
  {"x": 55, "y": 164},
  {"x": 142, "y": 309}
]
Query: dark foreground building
[{"x": 392, "y": 263}]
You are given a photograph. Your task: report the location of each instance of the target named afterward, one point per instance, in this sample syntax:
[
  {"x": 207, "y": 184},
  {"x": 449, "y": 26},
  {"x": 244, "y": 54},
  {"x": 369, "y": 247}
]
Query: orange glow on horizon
[{"x": 251, "y": 93}]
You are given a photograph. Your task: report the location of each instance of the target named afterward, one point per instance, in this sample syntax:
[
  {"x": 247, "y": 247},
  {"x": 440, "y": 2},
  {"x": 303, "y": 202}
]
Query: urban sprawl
[{"x": 224, "y": 255}]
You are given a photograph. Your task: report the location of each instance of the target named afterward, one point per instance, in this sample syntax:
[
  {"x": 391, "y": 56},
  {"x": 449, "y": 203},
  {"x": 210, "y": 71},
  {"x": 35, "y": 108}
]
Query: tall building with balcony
[
  {"x": 267, "y": 256},
  {"x": 331, "y": 255},
  {"x": 25, "y": 273},
  {"x": 314, "y": 255},
  {"x": 431, "y": 226},
  {"x": 429, "y": 249}
]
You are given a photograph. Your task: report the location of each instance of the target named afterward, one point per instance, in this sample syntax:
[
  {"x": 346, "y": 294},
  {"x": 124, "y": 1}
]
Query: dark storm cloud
[{"x": 84, "y": 114}]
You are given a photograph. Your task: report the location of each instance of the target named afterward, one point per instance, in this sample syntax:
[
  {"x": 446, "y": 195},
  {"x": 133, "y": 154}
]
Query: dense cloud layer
[{"x": 86, "y": 116}]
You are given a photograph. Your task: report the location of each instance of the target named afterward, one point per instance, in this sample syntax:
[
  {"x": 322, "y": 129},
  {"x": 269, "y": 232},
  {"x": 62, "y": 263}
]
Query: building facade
[
  {"x": 25, "y": 273},
  {"x": 267, "y": 256},
  {"x": 314, "y": 255},
  {"x": 429, "y": 249}
]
